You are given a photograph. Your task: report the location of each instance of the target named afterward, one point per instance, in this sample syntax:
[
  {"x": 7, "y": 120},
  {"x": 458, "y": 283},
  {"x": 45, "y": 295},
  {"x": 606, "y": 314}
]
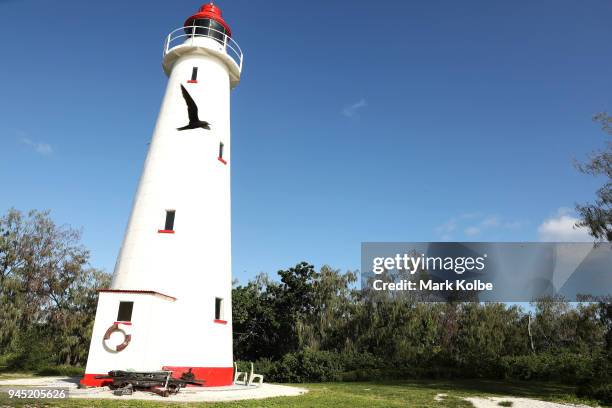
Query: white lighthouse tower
[{"x": 169, "y": 305}]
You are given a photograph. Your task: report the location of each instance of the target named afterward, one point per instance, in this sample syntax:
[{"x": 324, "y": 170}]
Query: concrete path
[
  {"x": 493, "y": 402},
  {"x": 189, "y": 394}
]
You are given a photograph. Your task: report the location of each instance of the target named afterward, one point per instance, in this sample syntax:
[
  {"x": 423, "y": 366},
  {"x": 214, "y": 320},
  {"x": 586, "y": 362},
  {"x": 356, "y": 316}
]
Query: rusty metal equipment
[{"x": 159, "y": 382}]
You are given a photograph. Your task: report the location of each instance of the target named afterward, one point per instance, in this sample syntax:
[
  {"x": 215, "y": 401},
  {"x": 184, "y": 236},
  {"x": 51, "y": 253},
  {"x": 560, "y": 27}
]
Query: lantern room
[{"x": 208, "y": 22}]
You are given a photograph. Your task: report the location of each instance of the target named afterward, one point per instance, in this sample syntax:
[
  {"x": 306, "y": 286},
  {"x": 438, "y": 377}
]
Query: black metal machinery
[{"x": 159, "y": 382}]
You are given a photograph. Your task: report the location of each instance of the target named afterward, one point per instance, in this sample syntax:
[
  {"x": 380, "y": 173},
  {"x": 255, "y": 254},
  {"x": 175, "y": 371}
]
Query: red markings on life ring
[{"x": 107, "y": 335}]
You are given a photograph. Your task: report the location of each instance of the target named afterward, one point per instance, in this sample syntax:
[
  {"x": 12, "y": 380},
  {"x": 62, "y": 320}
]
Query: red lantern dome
[{"x": 209, "y": 15}]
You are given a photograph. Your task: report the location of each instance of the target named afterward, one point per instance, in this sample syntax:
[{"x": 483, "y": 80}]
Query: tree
[
  {"x": 48, "y": 292},
  {"x": 306, "y": 309},
  {"x": 256, "y": 319},
  {"x": 597, "y": 216},
  {"x": 332, "y": 306}
]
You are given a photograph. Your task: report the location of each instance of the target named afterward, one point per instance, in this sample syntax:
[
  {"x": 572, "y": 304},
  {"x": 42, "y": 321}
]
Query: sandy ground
[
  {"x": 190, "y": 394},
  {"x": 493, "y": 402}
]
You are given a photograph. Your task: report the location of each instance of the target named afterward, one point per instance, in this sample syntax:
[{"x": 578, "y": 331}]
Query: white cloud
[
  {"x": 472, "y": 231},
  {"x": 490, "y": 222},
  {"x": 473, "y": 224},
  {"x": 562, "y": 228},
  {"x": 44, "y": 149},
  {"x": 351, "y": 110},
  {"x": 447, "y": 228}
]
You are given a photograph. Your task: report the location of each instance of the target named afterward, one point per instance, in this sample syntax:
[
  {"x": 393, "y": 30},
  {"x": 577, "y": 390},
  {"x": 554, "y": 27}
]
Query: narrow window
[
  {"x": 194, "y": 75},
  {"x": 125, "y": 311},
  {"x": 218, "y": 309},
  {"x": 169, "y": 220}
]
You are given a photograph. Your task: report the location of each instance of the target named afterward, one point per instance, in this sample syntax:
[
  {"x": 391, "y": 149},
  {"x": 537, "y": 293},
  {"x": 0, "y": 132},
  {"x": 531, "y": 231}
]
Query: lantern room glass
[{"x": 207, "y": 27}]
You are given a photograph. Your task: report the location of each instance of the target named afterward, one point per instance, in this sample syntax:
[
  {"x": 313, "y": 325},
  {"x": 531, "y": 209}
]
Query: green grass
[
  {"x": 414, "y": 394},
  {"x": 47, "y": 371},
  {"x": 12, "y": 376}
]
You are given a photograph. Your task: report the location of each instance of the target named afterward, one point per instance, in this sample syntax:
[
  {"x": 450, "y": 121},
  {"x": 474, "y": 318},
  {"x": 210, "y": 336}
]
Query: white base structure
[{"x": 169, "y": 305}]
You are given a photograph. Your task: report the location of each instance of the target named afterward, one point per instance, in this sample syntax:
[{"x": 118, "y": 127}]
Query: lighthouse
[{"x": 169, "y": 304}]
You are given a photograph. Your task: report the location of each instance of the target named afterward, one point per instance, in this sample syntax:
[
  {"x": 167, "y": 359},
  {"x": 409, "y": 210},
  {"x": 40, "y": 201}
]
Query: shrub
[
  {"x": 303, "y": 366},
  {"x": 320, "y": 366},
  {"x": 32, "y": 351},
  {"x": 360, "y": 361},
  {"x": 308, "y": 366},
  {"x": 601, "y": 392},
  {"x": 567, "y": 367},
  {"x": 61, "y": 370}
]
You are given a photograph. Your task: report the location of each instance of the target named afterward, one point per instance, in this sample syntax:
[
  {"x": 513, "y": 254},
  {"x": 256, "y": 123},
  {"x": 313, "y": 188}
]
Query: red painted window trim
[
  {"x": 220, "y": 321},
  {"x": 221, "y": 160},
  {"x": 192, "y": 81},
  {"x": 165, "y": 231}
]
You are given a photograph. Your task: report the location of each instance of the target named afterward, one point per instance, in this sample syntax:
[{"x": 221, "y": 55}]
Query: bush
[
  {"x": 601, "y": 392},
  {"x": 303, "y": 366},
  {"x": 360, "y": 361},
  {"x": 321, "y": 366},
  {"x": 308, "y": 366},
  {"x": 62, "y": 370},
  {"x": 5, "y": 361},
  {"x": 32, "y": 351},
  {"x": 567, "y": 367}
]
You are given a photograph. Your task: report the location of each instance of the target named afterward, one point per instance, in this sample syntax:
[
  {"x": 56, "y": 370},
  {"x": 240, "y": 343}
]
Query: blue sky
[{"x": 354, "y": 121}]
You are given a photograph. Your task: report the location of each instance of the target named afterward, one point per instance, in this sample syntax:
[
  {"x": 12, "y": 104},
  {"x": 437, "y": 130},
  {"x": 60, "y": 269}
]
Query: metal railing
[{"x": 186, "y": 36}]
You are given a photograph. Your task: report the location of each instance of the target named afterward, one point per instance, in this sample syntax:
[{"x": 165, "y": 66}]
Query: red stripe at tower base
[
  {"x": 212, "y": 376},
  {"x": 90, "y": 380}
]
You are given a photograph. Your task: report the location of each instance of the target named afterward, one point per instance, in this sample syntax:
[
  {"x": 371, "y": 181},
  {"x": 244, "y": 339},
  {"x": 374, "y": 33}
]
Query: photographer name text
[{"x": 430, "y": 285}]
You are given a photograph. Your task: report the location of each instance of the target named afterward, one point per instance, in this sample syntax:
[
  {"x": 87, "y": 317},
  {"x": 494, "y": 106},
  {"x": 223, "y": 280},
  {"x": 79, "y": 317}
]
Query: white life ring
[{"x": 127, "y": 337}]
